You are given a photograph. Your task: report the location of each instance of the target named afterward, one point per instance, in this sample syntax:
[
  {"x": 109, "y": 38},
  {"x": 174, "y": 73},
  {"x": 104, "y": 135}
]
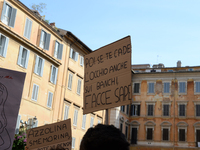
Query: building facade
[
  {"x": 53, "y": 60},
  {"x": 165, "y": 108}
]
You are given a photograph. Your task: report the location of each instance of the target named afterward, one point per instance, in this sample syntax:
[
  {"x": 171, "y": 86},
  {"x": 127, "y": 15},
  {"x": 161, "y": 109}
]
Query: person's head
[{"x": 104, "y": 137}]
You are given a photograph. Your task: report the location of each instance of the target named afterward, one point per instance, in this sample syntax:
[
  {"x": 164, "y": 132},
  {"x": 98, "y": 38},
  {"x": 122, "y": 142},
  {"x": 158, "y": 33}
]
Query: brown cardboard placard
[
  {"x": 107, "y": 80},
  {"x": 51, "y": 135}
]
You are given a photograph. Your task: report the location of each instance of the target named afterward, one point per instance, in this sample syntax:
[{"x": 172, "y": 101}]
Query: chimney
[
  {"x": 179, "y": 63},
  {"x": 52, "y": 24}
]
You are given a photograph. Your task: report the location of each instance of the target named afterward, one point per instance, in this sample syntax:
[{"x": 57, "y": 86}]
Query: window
[
  {"x": 126, "y": 132},
  {"x": 165, "y": 109},
  {"x": 136, "y": 88},
  {"x": 181, "y": 134},
  {"x": 79, "y": 87},
  {"x": 150, "y": 87},
  {"x": 3, "y": 45},
  {"x": 18, "y": 124},
  {"x": 39, "y": 66},
  {"x": 197, "y": 87},
  {"x": 166, "y": 87},
  {"x": 81, "y": 61},
  {"x": 66, "y": 112},
  {"x": 28, "y": 27},
  {"x": 165, "y": 134},
  {"x": 54, "y": 72},
  {"x": 135, "y": 110},
  {"x": 49, "y": 100},
  {"x": 75, "y": 117},
  {"x": 70, "y": 81},
  {"x": 73, "y": 142},
  {"x": 121, "y": 126},
  {"x": 181, "y": 110},
  {"x": 58, "y": 50},
  {"x": 150, "y": 110},
  {"x": 8, "y": 14},
  {"x": 45, "y": 40},
  {"x": 149, "y": 133},
  {"x": 127, "y": 109},
  {"x": 35, "y": 92},
  {"x": 123, "y": 108},
  {"x": 23, "y": 57},
  {"x": 182, "y": 87},
  {"x": 99, "y": 122},
  {"x": 73, "y": 54},
  {"x": 197, "y": 110},
  {"x": 83, "y": 121},
  {"x": 91, "y": 121}
]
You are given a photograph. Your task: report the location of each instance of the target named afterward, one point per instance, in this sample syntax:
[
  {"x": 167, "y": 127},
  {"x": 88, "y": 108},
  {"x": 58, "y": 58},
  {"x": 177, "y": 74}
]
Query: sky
[{"x": 162, "y": 31}]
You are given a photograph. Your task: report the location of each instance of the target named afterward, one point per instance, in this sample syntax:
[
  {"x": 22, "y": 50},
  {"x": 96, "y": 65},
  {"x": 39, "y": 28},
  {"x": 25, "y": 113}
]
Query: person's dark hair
[{"x": 104, "y": 137}]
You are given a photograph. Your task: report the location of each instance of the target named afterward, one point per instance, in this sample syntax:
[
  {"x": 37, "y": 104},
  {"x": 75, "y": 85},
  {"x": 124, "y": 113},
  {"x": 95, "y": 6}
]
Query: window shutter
[
  {"x": 70, "y": 81},
  {"x": 27, "y": 58},
  {"x": 60, "y": 51},
  {"x": 91, "y": 122},
  {"x": 36, "y": 64},
  {"x": 12, "y": 17},
  {"x": 56, "y": 76},
  {"x": 26, "y": 28},
  {"x": 197, "y": 86},
  {"x": 40, "y": 44},
  {"x": 138, "y": 110},
  {"x": 84, "y": 121},
  {"x": 50, "y": 98},
  {"x": 43, "y": 60},
  {"x": 73, "y": 142},
  {"x": 75, "y": 117},
  {"x": 76, "y": 56},
  {"x": 47, "y": 41},
  {"x": 18, "y": 124},
  {"x": 51, "y": 80},
  {"x": 79, "y": 87},
  {"x": 20, "y": 55},
  {"x": 81, "y": 60},
  {"x": 29, "y": 29},
  {"x": 3, "y": 11},
  {"x": 35, "y": 92},
  {"x": 66, "y": 112},
  {"x": 71, "y": 52},
  {"x": 127, "y": 109},
  {"x": 5, "y": 47}
]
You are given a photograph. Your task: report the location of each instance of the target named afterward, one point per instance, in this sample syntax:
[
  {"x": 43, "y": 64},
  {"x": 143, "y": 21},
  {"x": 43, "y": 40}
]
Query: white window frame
[
  {"x": 54, "y": 73},
  {"x": 148, "y": 92},
  {"x": 70, "y": 80},
  {"x": 182, "y": 125},
  {"x": 39, "y": 67},
  {"x": 35, "y": 92},
  {"x": 73, "y": 54},
  {"x": 28, "y": 28},
  {"x": 165, "y": 125},
  {"x": 150, "y": 124},
  {"x": 11, "y": 17},
  {"x": 44, "y": 40},
  {"x": 136, "y": 108},
  {"x": 81, "y": 61},
  {"x": 23, "y": 62},
  {"x": 75, "y": 117},
  {"x": 84, "y": 121},
  {"x": 182, "y": 93},
  {"x": 78, "y": 91},
  {"x": 58, "y": 50},
  {"x": 50, "y": 99},
  {"x": 4, "y": 46}
]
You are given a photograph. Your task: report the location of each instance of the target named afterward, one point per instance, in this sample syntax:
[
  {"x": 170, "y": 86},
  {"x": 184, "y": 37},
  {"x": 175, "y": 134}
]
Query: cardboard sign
[
  {"x": 11, "y": 87},
  {"x": 107, "y": 80},
  {"x": 50, "y": 136}
]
